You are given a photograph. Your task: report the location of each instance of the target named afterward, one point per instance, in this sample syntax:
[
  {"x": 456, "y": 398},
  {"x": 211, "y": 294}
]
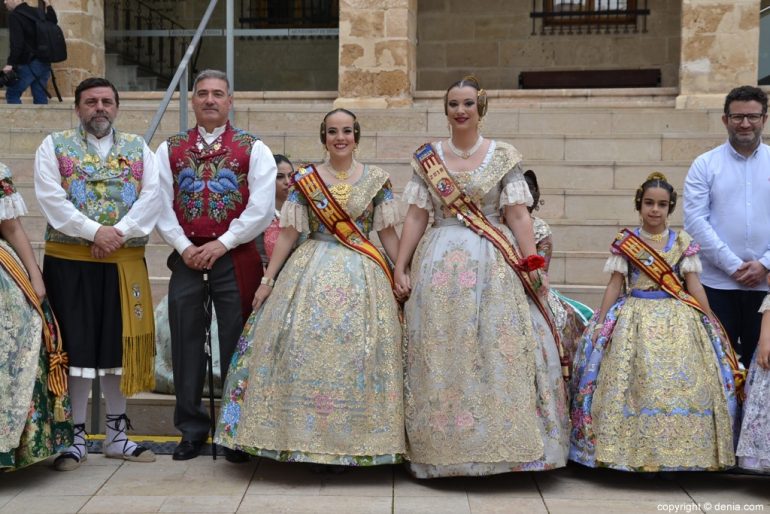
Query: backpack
[{"x": 50, "y": 45}]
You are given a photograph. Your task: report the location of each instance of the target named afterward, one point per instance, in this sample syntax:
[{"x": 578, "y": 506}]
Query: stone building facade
[{"x": 390, "y": 49}]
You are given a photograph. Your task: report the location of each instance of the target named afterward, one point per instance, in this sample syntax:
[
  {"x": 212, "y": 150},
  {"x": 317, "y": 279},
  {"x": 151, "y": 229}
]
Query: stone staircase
[{"x": 589, "y": 156}]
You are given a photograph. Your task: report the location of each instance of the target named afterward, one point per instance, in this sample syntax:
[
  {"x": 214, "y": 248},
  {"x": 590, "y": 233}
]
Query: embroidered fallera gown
[
  {"x": 754, "y": 445},
  {"x": 484, "y": 389},
  {"x": 28, "y": 430},
  {"x": 656, "y": 392},
  {"x": 317, "y": 375}
]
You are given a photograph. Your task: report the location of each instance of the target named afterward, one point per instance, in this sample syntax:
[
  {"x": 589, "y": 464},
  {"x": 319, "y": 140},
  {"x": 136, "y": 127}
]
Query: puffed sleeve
[
  {"x": 11, "y": 203},
  {"x": 294, "y": 211},
  {"x": 416, "y": 191},
  {"x": 616, "y": 262},
  {"x": 515, "y": 190},
  {"x": 691, "y": 261},
  {"x": 386, "y": 211}
]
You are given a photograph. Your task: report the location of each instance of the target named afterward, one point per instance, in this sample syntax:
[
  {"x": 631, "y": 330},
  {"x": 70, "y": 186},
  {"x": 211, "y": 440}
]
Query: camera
[{"x": 8, "y": 78}]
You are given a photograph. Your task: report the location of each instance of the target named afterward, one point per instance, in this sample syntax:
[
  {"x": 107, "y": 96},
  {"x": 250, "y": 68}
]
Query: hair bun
[{"x": 656, "y": 175}]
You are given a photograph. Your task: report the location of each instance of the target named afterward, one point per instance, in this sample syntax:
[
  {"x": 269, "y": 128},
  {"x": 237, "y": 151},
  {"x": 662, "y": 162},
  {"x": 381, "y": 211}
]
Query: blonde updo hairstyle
[
  {"x": 481, "y": 94},
  {"x": 656, "y": 179}
]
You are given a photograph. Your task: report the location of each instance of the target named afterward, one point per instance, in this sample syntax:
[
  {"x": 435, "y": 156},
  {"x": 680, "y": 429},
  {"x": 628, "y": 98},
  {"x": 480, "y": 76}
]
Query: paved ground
[{"x": 202, "y": 485}]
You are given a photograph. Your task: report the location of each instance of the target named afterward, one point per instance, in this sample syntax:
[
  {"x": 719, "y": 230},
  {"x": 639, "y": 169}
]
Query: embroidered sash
[
  {"x": 335, "y": 219},
  {"x": 57, "y": 358},
  {"x": 652, "y": 264},
  {"x": 435, "y": 173}
]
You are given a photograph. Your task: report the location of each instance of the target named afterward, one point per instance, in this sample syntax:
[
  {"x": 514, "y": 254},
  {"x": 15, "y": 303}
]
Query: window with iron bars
[
  {"x": 589, "y": 16},
  {"x": 289, "y": 14}
]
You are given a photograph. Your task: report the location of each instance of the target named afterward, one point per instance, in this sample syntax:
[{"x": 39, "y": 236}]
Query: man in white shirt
[
  {"x": 98, "y": 189},
  {"x": 727, "y": 211},
  {"x": 218, "y": 195}
]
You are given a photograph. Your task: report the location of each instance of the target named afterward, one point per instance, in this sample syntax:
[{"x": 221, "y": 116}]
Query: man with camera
[{"x": 23, "y": 70}]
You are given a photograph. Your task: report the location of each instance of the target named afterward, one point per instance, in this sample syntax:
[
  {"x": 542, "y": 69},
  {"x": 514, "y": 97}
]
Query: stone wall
[
  {"x": 83, "y": 24},
  {"x": 493, "y": 39}
]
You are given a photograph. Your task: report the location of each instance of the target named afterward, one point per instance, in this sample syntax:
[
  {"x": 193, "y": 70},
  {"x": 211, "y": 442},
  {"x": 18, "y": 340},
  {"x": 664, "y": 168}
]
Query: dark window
[
  {"x": 589, "y": 16},
  {"x": 289, "y": 13}
]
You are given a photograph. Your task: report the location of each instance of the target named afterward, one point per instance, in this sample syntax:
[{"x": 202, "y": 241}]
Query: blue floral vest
[{"x": 102, "y": 190}]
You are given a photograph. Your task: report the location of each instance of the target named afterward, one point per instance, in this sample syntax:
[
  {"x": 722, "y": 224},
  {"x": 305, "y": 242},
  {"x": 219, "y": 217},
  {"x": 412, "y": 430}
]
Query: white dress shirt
[
  {"x": 254, "y": 219},
  {"x": 62, "y": 214},
  {"x": 727, "y": 212}
]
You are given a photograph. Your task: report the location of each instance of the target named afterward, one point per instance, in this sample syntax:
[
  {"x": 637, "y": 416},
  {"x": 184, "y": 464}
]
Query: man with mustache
[
  {"x": 218, "y": 195},
  {"x": 98, "y": 188}
]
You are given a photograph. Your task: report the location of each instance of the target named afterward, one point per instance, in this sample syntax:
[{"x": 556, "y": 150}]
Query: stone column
[
  {"x": 378, "y": 53},
  {"x": 720, "y": 50},
  {"x": 83, "y": 24}
]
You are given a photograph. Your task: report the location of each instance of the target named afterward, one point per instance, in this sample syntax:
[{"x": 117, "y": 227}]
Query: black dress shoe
[
  {"x": 236, "y": 456},
  {"x": 187, "y": 450}
]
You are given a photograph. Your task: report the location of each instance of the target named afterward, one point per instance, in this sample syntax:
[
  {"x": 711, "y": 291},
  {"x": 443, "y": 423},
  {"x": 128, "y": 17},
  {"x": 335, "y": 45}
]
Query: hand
[
  {"x": 597, "y": 330},
  {"x": 38, "y": 285},
  {"x": 189, "y": 255},
  {"x": 108, "y": 239},
  {"x": 263, "y": 291},
  {"x": 209, "y": 253},
  {"x": 539, "y": 281},
  {"x": 7, "y": 68},
  {"x": 403, "y": 284},
  {"x": 763, "y": 353},
  {"x": 750, "y": 274}
]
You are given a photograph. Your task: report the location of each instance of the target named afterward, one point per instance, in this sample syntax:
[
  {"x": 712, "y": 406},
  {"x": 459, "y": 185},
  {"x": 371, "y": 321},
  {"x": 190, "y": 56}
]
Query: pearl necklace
[
  {"x": 653, "y": 237},
  {"x": 341, "y": 175},
  {"x": 465, "y": 154}
]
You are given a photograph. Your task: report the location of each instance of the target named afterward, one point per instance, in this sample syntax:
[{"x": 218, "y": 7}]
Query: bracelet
[{"x": 269, "y": 282}]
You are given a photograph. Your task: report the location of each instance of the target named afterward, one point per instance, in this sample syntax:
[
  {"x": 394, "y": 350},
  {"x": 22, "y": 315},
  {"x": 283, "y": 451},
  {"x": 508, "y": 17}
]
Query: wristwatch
[{"x": 269, "y": 282}]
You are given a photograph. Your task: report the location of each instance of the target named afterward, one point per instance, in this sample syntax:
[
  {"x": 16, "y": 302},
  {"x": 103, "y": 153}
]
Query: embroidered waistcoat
[
  {"x": 210, "y": 180},
  {"x": 103, "y": 190}
]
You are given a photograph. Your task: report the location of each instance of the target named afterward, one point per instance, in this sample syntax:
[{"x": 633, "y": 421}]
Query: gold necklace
[
  {"x": 344, "y": 174},
  {"x": 653, "y": 237}
]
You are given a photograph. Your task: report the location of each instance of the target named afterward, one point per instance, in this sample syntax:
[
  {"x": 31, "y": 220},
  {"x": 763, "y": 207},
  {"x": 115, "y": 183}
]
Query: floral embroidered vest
[
  {"x": 210, "y": 181},
  {"x": 102, "y": 190}
]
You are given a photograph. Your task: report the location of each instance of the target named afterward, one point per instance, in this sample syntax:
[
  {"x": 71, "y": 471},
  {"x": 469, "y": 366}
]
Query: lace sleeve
[
  {"x": 294, "y": 212},
  {"x": 11, "y": 203},
  {"x": 691, "y": 264},
  {"x": 765, "y": 304},
  {"x": 416, "y": 193},
  {"x": 616, "y": 263},
  {"x": 515, "y": 190}
]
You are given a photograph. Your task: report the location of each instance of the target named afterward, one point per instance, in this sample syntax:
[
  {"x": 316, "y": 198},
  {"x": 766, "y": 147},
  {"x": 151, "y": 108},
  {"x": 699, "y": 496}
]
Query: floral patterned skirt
[
  {"x": 484, "y": 392},
  {"x": 754, "y": 445},
  {"x": 28, "y": 432},
  {"x": 317, "y": 375},
  {"x": 654, "y": 393}
]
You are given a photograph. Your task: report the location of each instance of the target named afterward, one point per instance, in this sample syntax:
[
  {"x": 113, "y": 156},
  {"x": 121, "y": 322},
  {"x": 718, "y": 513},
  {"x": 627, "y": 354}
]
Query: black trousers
[
  {"x": 738, "y": 312},
  {"x": 186, "y": 320}
]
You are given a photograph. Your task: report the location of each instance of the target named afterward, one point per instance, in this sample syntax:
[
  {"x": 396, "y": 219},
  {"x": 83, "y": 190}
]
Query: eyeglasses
[{"x": 752, "y": 117}]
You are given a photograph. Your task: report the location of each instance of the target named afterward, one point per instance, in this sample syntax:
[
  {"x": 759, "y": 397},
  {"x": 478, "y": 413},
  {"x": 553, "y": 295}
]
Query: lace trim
[
  {"x": 295, "y": 215},
  {"x": 691, "y": 264},
  {"x": 416, "y": 193},
  {"x": 12, "y": 206},
  {"x": 92, "y": 372},
  {"x": 516, "y": 193},
  {"x": 616, "y": 263},
  {"x": 387, "y": 214}
]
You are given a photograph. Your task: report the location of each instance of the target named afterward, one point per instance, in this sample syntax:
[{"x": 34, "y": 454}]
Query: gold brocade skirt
[{"x": 317, "y": 375}]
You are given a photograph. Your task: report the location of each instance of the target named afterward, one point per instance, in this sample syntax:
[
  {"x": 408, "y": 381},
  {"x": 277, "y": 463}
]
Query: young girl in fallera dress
[{"x": 652, "y": 388}]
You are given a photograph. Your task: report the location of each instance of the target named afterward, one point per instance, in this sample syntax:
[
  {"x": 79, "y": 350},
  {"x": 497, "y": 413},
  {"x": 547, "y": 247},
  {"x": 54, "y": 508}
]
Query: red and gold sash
[
  {"x": 58, "y": 362},
  {"x": 652, "y": 264},
  {"x": 335, "y": 219},
  {"x": 435, "y": 173}
]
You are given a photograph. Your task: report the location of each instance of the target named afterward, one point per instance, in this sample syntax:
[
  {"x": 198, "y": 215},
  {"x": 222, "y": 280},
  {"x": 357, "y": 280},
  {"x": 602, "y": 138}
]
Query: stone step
[
  {"x": 280, "y": 117},
  {"x": 305, "y": 146}
]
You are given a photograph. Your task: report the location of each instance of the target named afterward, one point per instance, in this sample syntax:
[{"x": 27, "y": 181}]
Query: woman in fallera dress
[
  {"x": 653, "y": 386},
  {"x": 317, "y": 375},
  {"x": 35, "y": 413},
  {"x": 484, "y": 386}
]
